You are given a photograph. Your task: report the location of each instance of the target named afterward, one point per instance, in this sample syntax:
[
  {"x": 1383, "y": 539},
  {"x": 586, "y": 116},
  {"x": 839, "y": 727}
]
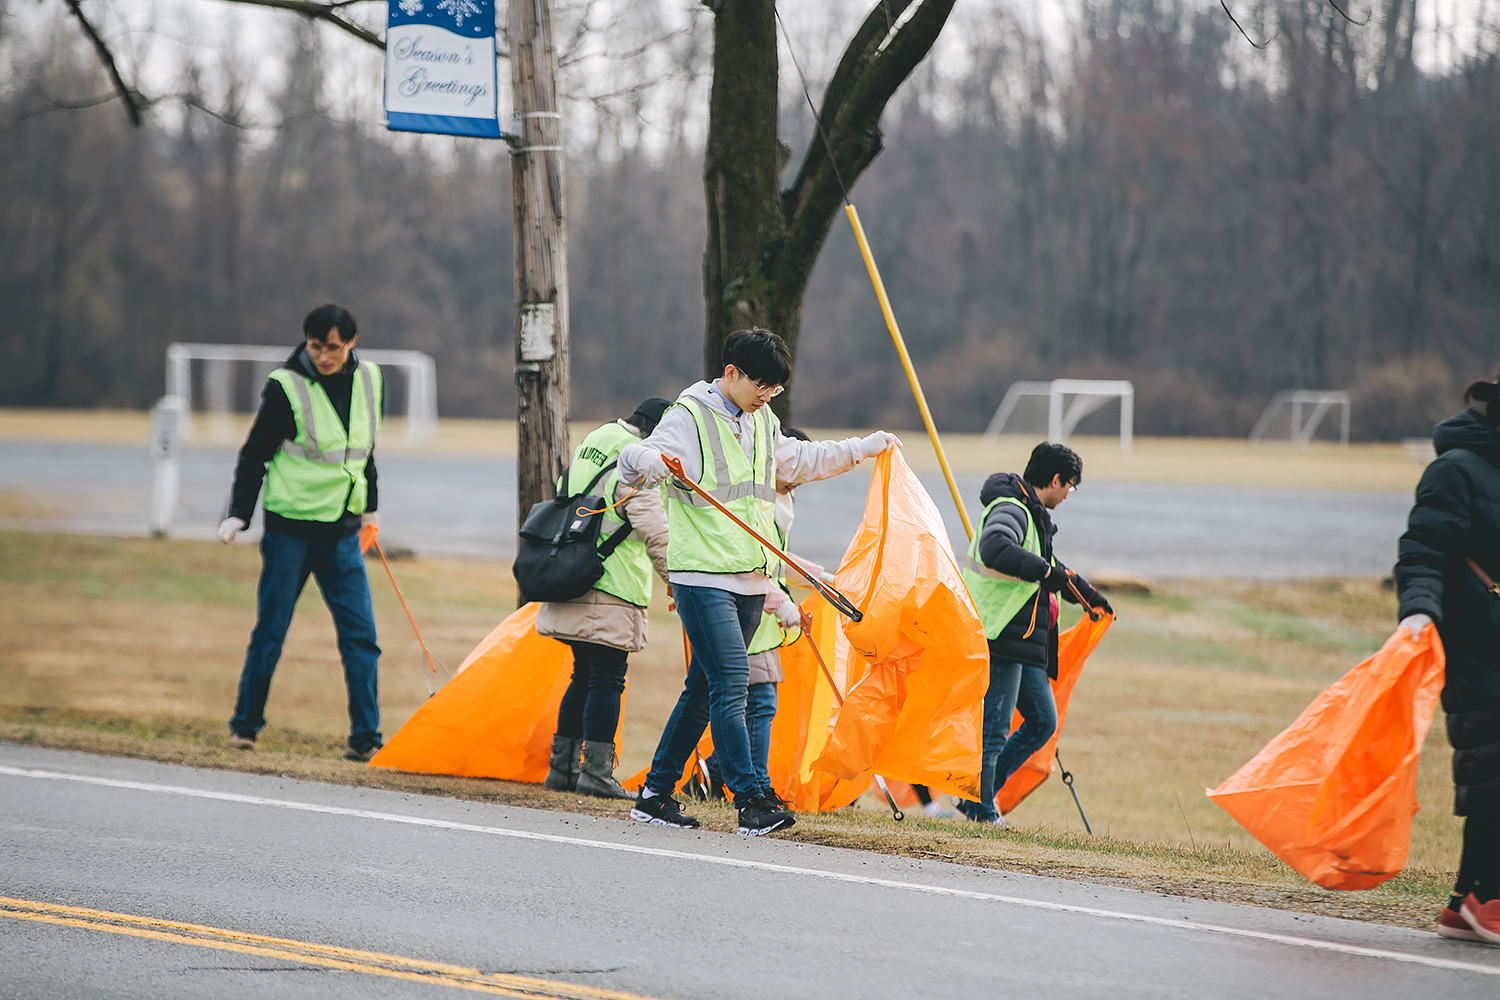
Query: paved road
[
  {"x": 434, "y": 886},
  {"x": 446, "y": 504}
]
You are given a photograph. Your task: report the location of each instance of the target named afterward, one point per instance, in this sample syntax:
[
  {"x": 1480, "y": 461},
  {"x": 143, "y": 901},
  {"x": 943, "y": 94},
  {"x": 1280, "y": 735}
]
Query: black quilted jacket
[{"x": 1457, "y": 516}]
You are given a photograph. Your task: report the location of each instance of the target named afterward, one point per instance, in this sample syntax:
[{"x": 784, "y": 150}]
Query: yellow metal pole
[{"x": 911, "y": 373}]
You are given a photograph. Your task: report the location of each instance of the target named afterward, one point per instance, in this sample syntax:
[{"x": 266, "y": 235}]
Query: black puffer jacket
[
  {"x": 1457, "y": 516},
  {"x": 1027, "y": 638}
]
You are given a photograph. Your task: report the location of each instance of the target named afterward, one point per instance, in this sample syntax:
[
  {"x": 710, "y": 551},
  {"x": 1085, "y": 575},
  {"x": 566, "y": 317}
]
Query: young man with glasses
[
  {"x": 732, "y": 445},
  {"x": 1014, "y": 579}
]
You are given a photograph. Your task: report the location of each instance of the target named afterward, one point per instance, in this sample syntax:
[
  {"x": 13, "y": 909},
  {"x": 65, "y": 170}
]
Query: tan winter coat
[{"x": 603, "y": 618}]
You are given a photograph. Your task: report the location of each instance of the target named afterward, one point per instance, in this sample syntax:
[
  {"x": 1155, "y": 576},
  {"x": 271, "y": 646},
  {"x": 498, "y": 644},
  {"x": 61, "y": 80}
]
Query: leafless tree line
[{"x": 1163, "y": 204}]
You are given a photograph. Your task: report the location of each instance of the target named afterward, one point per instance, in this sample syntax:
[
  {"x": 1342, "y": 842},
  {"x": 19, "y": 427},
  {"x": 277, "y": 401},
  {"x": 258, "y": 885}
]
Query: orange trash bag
[
  {"x": 804, "y": 711},
  {"x": 916, "y": 714},
  {"x": 1073, "y": 648},
  {"x": 497, "y": 716},
  {"x": 1334, "y": 795}
]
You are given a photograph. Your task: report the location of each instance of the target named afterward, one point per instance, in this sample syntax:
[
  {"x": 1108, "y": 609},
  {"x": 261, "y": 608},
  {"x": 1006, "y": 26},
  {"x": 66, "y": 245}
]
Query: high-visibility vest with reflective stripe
[
  {"x": 320, "y": 474},
  {"x": 627, "y": 571},
  {"x": 769, "y": 635},
  {"x": 704, "y": 540},
  {"x": 998, "y": 596}
]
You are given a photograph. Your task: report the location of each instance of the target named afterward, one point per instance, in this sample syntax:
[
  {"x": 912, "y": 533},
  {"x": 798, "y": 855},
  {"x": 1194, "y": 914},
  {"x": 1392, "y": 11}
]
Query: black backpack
[{"x": 559, "y": 556}]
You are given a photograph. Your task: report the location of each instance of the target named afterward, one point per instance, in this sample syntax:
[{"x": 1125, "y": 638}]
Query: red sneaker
[
  {"x": 1484, "y": 918},
  {"x": 1451, "y": 924}
]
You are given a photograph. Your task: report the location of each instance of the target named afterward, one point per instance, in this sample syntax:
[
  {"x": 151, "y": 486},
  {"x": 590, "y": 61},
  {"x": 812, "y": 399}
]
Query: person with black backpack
[{"x": 608, "y": 622}]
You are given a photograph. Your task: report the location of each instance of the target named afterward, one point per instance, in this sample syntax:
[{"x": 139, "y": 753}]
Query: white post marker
[
  {"x": 440, "y": 68},
  {"x": 166, "y": 435}
]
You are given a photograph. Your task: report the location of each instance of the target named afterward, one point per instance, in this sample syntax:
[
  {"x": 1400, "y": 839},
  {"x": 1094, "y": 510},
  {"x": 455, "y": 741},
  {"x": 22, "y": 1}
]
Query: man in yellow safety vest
[
  {"x": 1014, "y": 579},
  {"x": 312, "y": 444},
  {"x": 732, "y": 445}
]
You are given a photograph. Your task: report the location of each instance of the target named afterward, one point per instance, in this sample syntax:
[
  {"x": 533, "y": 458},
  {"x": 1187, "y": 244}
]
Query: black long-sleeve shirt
[{"x": 275, "y": 423}]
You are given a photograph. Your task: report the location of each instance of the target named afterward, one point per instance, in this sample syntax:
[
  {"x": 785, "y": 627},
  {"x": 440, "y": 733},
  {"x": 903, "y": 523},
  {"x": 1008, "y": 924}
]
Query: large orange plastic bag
[
  {"x": 804, "y": 711},
  {"x": 1073, "y": 648},
  {"x": 1334, "y": 795},
  {"x": 917, "y": 713},
  {"x": 496, "y": 717}
]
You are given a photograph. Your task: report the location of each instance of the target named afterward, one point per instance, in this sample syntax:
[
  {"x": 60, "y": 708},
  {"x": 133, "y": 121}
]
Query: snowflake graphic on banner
[
  {"x": 411, "y": 7},
  {"x": 459, "y": 9}
]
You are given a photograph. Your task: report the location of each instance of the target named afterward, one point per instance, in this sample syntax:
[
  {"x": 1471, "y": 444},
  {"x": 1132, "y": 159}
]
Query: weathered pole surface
[{"x": 541, "y": 257}]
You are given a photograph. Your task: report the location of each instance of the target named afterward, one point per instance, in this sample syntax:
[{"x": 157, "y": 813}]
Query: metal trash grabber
[
  {"x": 1087, "y": 607},
  {"x": 432, "y": 661},
  {"x": 840, "y": 603}
]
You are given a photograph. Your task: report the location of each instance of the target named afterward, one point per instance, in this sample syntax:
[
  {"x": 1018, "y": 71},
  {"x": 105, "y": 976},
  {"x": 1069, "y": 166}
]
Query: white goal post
[
  {"x": 216, "y": 390},
  {"x": 1063, "y": 413},
  {"x": 1302, "y": 425}
]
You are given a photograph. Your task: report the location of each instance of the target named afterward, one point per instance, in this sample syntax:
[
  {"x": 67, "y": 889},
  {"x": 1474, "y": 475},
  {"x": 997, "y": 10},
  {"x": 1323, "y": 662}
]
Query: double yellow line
[{"x": 304, "y": 952}]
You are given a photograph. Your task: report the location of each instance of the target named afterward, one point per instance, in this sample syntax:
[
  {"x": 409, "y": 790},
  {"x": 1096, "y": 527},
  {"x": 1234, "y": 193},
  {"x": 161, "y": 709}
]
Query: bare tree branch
[
  {"x": 131, "y": 97},
  {"x": 314, "y": 11}
]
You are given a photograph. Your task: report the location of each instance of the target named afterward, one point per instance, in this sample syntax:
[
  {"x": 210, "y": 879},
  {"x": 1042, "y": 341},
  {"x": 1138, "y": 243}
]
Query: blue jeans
[
  {"x": 1039, "y": 712},
  {"x": 760, "y": 711},
  {"x": 286, "y": 562},
  {"x": 999, "y": 706},
  {"x": 719, "y": 625}
]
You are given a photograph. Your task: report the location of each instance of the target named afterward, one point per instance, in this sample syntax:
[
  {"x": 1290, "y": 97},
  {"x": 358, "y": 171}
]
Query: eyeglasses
[
  {"x": 1072, "y": 488},
  {"x": 767, "y": 392}
]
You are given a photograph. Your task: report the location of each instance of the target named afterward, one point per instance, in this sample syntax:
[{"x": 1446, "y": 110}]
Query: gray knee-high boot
[
  {"x": 562, "y": 769},
  {"x": 598, "y": 777}
]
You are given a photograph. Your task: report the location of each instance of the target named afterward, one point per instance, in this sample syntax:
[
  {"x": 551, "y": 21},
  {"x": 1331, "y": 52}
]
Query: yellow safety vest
[
  {"x": 998, "y": 596},
  {"x": 320, "y": 474},
  {"x": 702, "y": 539},
  {"x": 627, "y": 571}
]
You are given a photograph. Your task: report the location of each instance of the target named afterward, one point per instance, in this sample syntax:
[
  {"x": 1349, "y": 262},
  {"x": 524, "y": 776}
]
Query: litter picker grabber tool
[
  {"x": 830, "y": 594},
  {"x": 826, "y": 672},
  {"x": 1067, "y": 778},
  {"x": 1088, "y": 609},
  {"x": 890, "y": 799},
  {"x": 432, "y": 661}
]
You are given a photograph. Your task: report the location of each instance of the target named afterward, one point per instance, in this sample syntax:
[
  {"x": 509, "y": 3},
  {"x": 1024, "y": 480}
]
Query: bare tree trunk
[
  {"x": 541, "y": 324},
  {"x": 762, "y": 244}
]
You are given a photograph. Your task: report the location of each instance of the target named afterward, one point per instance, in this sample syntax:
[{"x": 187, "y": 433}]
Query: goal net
[
  {"x": 1300, "y": 412},
  {"x": 217, "y": 380},
  {"x": 1060, "y": 406}
]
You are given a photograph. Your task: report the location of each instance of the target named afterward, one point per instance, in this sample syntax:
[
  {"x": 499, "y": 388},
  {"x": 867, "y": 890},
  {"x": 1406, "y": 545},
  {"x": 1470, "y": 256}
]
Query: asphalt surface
[
  {"x": 457, "y": 505},
  {"x": 604, "y": 904}
]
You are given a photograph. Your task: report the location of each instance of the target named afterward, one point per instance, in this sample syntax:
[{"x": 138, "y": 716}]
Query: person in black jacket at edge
[
  {"x": 1015, "y": 580},
  {"x": 1449, "y": 558},
  {"x": 313, "y": 444}
]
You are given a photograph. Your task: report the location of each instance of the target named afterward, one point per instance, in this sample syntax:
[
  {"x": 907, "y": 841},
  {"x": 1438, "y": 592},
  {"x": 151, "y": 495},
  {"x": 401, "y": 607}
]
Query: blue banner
[{"x": 440, "y": 67}]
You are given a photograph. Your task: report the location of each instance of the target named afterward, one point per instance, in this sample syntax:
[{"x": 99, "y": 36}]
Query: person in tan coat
[{"x": 608, "y": 623}]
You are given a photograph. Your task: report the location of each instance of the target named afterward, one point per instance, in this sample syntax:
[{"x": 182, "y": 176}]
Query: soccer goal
[
  {"x": 1067, "y": 401},
  {"x": 220, "y": 379},
  {"x": 1305, "y": 409}
]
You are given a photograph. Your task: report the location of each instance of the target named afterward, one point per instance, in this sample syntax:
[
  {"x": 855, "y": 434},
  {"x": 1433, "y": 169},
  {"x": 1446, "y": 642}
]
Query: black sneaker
[
  {"x": 363, "y": 750},
  {"x": 661, "y": 810},
  {"x": 760, "y": 815}
]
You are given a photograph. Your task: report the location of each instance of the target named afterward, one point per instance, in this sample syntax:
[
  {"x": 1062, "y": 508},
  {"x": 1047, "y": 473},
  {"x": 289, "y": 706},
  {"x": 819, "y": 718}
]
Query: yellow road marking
[{"x": 329, "y": 956}]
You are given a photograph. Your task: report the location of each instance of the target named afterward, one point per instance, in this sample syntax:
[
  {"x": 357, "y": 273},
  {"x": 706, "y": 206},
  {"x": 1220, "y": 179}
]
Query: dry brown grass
[{"x": 133, "y": 647}]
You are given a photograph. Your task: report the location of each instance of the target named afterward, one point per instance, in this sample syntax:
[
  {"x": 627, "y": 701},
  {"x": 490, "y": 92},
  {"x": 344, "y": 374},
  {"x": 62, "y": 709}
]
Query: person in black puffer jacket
[{"x": 1454, "y": 527}]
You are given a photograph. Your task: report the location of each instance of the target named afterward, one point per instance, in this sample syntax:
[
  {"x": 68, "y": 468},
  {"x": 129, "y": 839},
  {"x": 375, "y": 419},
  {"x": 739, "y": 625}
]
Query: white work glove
[
  {"x": 873, "y": 444},
  {"x": 369, "y": 518},
  {"x": 829, "y": 578},
  {"x": 652, "y": 470},
  {"x": 232, "y": 526},
  {"x": 789, "y": 615},
  {"x": 1414, "y": 624}
]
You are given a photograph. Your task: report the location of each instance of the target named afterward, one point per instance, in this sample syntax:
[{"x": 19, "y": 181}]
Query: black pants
[
  {"x": 591, "y": 706},
  {"x": 1479, "y": 867}
]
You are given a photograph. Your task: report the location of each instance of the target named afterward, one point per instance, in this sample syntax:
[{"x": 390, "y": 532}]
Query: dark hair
[
  {"x": 759, "y": 354},
  {"x": 648, "y": 414},
  {"x": 1488, "y": 393},
  {"x": 1049, "y": 460},
  {"x": 325, "y": 318},
  {"x": 793, "y": 432}
]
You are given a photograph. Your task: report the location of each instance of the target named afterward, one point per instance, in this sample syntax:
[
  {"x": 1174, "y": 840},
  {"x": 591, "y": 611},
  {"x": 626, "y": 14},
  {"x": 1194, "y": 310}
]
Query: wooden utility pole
[{"x": 541, "y": 257}]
